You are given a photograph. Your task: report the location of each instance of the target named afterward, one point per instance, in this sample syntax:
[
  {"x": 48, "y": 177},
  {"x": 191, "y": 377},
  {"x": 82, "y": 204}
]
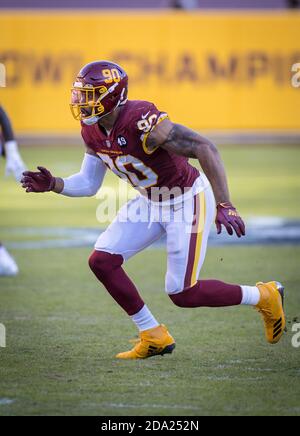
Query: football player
[
  {"x": 14, "y": 166},
  {"x": 140, "y": 144}
]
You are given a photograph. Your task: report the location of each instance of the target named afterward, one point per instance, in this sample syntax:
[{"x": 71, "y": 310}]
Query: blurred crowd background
[
  {"x": 222, "y": 67},
  {"x": 180, "y": 4}
]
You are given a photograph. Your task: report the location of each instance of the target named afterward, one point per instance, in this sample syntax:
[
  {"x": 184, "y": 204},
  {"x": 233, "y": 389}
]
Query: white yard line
[
  {"x": 259, "y": 230},
  {"x": 6, "y": 401},
  {"x": 148, "y": 406}
]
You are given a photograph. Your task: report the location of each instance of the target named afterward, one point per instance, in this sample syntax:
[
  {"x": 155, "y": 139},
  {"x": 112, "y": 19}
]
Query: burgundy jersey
[{"x": 124, "y": 150}]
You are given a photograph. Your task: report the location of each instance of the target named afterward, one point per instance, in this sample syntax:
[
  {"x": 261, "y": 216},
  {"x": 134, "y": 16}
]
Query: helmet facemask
[{"x": 86, "y": 100}]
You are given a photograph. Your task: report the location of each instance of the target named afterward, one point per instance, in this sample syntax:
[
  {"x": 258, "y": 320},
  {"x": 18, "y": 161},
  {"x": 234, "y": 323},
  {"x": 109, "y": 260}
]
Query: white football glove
[{"x": 14, "y": 163}]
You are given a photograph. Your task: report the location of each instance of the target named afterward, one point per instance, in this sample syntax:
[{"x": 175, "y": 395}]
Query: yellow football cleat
[
  {"x": 271, "y": 308},
  {"x": 153, "y": 342}
]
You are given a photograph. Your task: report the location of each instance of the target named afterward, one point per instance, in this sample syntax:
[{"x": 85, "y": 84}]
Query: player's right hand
[{"x": 38, "y": 181}]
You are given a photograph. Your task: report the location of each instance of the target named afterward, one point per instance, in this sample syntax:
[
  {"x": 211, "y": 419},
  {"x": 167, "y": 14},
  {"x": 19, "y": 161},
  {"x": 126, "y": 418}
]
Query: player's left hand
[
  {"x": 15, "y": 166},
  {"x": 228, "y": 216}
]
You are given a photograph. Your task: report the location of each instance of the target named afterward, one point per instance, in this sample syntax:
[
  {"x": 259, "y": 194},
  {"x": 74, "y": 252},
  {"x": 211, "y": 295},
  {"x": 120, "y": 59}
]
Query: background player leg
[{"x": 8, "y": 266}]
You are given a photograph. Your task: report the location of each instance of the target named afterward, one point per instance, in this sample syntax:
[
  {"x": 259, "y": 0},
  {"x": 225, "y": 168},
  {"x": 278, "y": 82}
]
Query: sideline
[{"x": 260, "y": 231}]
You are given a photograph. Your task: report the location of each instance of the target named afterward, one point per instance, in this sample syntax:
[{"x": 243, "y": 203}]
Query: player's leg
[
  {"x": 123, "y": 239},
  {"x": 186, "y": 245},
  {"x": 8, "y": 266},
  {"x": 185, "y": 263}
]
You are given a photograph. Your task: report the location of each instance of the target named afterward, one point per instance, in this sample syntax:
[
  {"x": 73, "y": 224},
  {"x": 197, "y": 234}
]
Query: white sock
[
  {"x": 11, "y": 147},
  {"x": 251, "y": 295},
  {"x": 4, "y": 252},
  {"x": 8, "y": 266},
  {"x": 144, "y": 320}
]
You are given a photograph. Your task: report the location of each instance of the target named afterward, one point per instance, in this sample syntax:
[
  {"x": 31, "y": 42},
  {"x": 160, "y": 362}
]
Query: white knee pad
[{"x": 173, "y": 283}]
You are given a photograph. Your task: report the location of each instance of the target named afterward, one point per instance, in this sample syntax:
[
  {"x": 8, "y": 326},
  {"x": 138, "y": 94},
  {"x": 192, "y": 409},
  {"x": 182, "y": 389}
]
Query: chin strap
[{"x": 91, "y": 121}]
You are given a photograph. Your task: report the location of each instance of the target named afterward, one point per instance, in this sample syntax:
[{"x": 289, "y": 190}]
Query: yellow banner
[{"x": 207, "y": 70}]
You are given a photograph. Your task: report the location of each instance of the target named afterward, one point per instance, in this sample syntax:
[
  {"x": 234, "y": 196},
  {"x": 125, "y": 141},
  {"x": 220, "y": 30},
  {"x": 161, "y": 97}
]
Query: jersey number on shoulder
[
  {"x": 146, "y": 124},
  {"x": 131, "y": 169}
]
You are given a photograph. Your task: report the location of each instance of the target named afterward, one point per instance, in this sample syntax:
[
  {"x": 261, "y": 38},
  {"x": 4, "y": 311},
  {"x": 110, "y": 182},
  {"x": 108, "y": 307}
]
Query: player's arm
[
  {"x": 14, "y": 162},
  {"x": 82, "y": 180},
  {"x": 83, "y": 184},
  {"x": 183, "y": 141}
]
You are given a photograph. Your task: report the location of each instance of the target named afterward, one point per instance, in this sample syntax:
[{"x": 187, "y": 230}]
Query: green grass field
[{"x": 63, "y": 329}]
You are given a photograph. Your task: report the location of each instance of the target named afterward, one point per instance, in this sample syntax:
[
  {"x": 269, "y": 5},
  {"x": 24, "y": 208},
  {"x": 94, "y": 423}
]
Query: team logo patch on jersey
[{"x": 122, "y": 142}]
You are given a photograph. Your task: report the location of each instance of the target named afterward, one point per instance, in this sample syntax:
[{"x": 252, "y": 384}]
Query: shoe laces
[{"x": 267, "y": 314}]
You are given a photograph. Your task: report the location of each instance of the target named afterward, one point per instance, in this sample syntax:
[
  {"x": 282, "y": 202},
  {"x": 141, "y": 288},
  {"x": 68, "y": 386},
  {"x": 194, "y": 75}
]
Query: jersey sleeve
[{"x": 146, "y": 122}]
